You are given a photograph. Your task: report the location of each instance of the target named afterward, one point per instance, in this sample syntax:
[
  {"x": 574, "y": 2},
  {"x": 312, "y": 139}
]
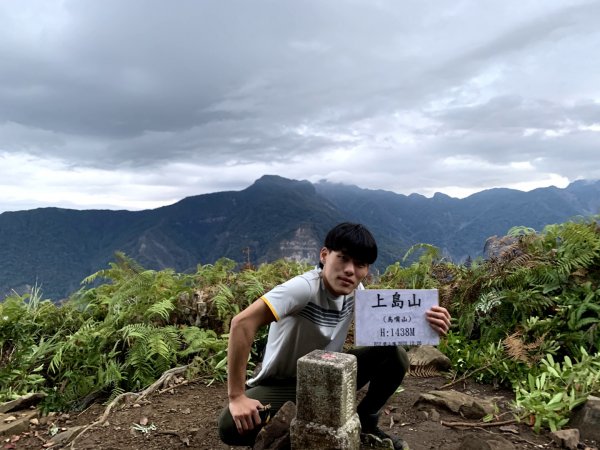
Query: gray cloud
[{"x": 394, "y": 95}]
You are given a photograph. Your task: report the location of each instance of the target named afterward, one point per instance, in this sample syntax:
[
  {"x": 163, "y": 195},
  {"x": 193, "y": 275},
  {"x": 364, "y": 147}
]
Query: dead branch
[
  {"x": 478, "y": 424},
  {"x": 468, "y": 375}
]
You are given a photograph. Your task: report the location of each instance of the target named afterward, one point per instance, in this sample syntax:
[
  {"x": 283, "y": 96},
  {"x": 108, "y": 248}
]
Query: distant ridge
[{"x": 273, "y": 218}]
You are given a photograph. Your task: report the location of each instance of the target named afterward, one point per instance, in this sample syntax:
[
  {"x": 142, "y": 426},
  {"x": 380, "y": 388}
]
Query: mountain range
[{"x": 273, "y": 218}]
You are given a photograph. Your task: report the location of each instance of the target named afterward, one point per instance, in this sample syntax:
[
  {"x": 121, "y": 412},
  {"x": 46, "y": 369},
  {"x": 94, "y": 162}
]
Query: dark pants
[{"x": 382, "y": 367}]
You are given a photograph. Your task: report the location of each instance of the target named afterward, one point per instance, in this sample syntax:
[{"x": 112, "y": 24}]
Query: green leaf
[
  {"x": 556, "y": 399},
  {"x": 221, "y": 363},
  {"x": 567, "y": 361}
]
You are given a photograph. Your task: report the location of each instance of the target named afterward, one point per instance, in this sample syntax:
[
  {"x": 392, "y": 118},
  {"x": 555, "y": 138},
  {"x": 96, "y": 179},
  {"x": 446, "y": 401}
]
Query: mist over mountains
[{"x": 271, "y": 219}]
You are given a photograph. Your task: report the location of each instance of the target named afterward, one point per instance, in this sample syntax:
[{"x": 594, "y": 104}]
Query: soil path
[{"x": 184, "y": 417}]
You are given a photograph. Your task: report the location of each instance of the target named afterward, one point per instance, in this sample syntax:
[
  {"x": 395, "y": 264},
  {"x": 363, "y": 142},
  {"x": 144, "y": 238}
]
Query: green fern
[
  {"x": 161, "y": 309},
  {"x": 252, "y": 285},
  {"x": 224, "y": 302},
  {"x": 123, "y": 334}
]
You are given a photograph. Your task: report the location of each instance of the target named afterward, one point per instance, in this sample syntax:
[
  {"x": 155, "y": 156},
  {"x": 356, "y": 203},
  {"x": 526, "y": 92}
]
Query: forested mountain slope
[{"x": 273, "y": 218}]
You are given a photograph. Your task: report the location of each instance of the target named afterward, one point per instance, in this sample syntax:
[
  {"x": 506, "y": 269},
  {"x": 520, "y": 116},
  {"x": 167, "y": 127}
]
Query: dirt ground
[{"x": 185, "y": 417}]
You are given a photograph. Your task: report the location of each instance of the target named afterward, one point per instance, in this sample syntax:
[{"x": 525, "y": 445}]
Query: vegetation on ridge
[{"x": 528, "y": 317}]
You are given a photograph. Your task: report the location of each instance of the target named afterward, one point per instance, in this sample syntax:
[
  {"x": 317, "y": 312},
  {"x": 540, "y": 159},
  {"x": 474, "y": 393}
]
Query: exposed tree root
[
  {"x": 478, "y": 424},
  {"x": 164, "y": 379},
  {"x": 184, "y": 439}
]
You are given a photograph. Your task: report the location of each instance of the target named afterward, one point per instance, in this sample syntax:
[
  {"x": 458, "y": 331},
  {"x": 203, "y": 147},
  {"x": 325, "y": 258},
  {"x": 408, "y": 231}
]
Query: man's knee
[
  {"x": 393, "y": 359},
  {"x": 381, "y": 362},
  {"x": 226, "y": 426},
  {"x": 228, "y": 432},
  {"x": 402, "y": 358}
]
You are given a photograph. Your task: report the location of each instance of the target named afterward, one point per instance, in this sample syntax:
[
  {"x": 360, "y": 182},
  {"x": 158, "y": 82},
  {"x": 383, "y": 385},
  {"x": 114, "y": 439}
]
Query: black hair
[{"x": 354, "y": 240}]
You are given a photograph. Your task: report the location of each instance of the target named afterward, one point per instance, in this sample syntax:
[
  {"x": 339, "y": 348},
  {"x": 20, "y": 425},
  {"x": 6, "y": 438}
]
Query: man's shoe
[{"x": 397, "y": 442}]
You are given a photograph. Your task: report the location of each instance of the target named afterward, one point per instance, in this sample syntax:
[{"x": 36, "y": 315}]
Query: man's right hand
[{"x": 244, "y": 411}]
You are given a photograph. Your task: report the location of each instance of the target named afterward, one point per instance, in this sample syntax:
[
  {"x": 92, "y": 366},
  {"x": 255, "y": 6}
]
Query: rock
[
  {"x": 275, "y": 434},
  {"x": 509, "y": 429},
  {"x": 587, "y": 419},
  {"x": 370, "y": 441},
  {"x": 459, "y": 403},
  {"x": 491, "y": 442},
  {"x": 566, "y": 438},
  {"x": 66, "y": 436},
  {"x": 44, "y": 420},
  {"x": 429, "y": 356},
  {"x": 21, "y": 403},
  {"x": 434, "y": 415},
  {"x": 19, "y": 423}
]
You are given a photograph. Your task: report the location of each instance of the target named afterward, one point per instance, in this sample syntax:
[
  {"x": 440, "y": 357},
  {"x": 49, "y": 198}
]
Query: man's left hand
[{"x": 439, "y": 319}]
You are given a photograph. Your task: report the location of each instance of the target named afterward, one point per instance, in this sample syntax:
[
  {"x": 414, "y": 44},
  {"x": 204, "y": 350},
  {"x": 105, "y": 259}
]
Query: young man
[{"x": 309, "y": 312}]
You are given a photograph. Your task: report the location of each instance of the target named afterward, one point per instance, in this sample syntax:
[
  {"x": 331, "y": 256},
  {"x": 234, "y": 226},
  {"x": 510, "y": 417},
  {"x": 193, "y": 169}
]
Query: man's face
[{"x": 341, "y": 273}]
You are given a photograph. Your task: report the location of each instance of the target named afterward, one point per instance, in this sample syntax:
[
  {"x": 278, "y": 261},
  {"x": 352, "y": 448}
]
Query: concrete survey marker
[{"x": 326, "y": 402}]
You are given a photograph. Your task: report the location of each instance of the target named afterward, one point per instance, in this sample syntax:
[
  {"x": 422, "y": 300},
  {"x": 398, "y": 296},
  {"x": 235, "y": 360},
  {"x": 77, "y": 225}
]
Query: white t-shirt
[{"x": 307, "y": 318}]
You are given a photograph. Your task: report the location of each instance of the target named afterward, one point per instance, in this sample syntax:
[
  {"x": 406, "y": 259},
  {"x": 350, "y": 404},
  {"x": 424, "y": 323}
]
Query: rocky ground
[{"x": 184, "y": 416}]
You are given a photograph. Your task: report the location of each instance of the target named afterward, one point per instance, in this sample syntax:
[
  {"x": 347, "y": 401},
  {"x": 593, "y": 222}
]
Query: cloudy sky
[{"x": 136, "y": 104}]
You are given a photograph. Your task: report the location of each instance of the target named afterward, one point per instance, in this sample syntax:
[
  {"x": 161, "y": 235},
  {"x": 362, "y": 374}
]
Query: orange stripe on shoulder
[{"x": 266, "y": 300}]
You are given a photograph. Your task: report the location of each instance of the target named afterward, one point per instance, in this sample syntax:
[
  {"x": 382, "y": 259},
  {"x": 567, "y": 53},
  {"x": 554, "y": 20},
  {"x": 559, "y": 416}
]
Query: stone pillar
[{"x": 326, "y": 403}]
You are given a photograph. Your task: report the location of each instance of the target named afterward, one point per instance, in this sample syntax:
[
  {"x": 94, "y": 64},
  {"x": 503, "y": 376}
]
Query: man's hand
[
  {"x": 244, "y": 411},
  {"x": 439, "y": 319}
]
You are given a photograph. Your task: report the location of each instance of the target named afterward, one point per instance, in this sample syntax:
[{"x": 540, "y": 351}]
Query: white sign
[{"x": 394, "y": 317}]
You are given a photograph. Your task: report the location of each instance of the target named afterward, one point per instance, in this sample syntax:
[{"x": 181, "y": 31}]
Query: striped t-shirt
[{"x": 307, "y": 318}]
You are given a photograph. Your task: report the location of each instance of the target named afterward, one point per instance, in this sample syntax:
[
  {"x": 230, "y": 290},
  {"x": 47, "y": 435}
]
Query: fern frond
[
  {"x": 93, "y": 277},
  {"x": 253, "y": 287},
  {"x": 162, "y": 309},
  {"x": 515, "y": 347},
  {"x": 110, "y": 374},
  {"x": 423, "y": 371},
  {"x": 200, "y": 341},
  {"x": 114, "y": 393},
  {"x": 224, "y": 302},
  {"x": 135, "y": 330},
  {"x": 429, "y": 252}
]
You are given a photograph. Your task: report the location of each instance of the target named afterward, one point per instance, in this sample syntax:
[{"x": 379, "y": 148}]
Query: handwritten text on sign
[{"x": 394, "y": 317}]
